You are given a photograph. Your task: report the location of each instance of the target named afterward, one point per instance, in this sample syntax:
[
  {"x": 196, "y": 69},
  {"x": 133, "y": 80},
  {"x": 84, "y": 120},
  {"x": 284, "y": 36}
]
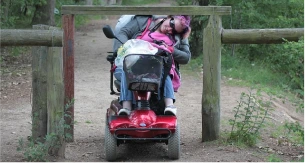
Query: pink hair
[{"x": 185, "y": 20}]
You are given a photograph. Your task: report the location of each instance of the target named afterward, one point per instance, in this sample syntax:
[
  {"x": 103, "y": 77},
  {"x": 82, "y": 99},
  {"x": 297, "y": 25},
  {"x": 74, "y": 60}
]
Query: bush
[
  {"x": 289, "y": 60},
  {"x": 249, "y": 118}
]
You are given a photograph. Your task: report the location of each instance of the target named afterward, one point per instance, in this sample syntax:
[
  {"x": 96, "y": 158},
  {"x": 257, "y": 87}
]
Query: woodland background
[
  {"x": 280, "y": 63},
  {"x": 277, "y": 69}
]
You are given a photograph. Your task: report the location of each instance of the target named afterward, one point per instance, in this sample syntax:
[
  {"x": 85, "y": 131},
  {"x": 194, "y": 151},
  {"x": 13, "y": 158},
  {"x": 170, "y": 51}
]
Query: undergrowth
[
  {"x": 139, "y": 2},
  {"x": 240, "y": 72},
  {"x": 296, "y": 128},
  {"x": 249, "y": 117},
  {"x": 37, "y": 150}
]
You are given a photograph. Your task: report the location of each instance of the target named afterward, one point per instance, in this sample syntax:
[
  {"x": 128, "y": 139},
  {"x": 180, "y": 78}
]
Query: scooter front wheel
[
  {"x": 174, "y": 145},
  {"x": 110, "y": 144}
]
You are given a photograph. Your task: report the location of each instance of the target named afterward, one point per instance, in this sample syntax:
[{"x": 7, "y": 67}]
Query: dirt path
[{"x": 92, "y": 98}]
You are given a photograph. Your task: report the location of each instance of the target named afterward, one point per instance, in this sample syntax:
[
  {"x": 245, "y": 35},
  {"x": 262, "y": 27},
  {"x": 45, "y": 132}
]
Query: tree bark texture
[
  {"x": 111, "y": 2},
  {"x": 55, "y": 102},
  {"x": 211, "y": 79},
  {"x": 68, "y": 61},
  {"x": 197, "y": 26},
  {"x": 45, "y": 14},
  {"x": 261, "y": 36},
  {"x": 203, "y": 2},
  {"x": 39, "y": 89},
  {"x": 89, "y": 2},
  {"x": 35, "y": 37}
]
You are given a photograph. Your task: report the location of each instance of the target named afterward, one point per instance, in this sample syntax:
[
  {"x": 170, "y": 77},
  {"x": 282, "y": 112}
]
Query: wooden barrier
[
  {"x": 145, "y": 10},
  {"x": 54, "y": 74},
  {"x": 68, "y": 12},
  {"x": 39, "y": 89},
  {"x": 68, "y": 54},
  {"x": 260, "y": 36},
  {"x": 23, "y": 37},
  {"x": 211, "y": 79},
  {"x": 214, "y": 36},
  {"x": 55, "y": 100},
  {"x": 47, "y": 80}
]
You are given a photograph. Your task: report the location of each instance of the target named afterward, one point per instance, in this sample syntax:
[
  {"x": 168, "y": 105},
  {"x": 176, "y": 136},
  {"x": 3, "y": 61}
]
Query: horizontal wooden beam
[
  {"x": 261, "y": 36},
  {"x": 22, "y": 37},
  {"x": 146, "y": 10}
]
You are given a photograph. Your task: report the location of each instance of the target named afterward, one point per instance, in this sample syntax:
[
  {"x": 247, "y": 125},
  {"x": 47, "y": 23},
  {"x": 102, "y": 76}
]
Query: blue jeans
[{"x": 127, "y": 95}]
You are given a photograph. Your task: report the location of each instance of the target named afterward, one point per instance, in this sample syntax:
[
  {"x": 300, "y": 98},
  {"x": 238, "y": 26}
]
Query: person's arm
[
  {"x": 182, "y": 53},
  {"x": 130, "y": 30}
]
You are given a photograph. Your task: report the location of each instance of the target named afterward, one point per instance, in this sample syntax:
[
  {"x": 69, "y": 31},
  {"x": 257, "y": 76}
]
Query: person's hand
[
  {"x": 170, "y": 48},
  {"x": 187, "y": 34}
]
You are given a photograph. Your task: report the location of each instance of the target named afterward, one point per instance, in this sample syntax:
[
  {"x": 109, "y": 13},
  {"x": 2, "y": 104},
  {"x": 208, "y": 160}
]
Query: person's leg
[
  {"x": 169, "y": 97},
  {"x": 126, "y": 96},
  {"x": 118, "y": 73}
]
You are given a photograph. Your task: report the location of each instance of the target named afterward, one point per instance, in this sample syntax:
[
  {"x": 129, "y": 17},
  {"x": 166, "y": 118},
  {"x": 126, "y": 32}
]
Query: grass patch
[
  {"x": 242, "y": 72},
  {"x": 239, "y": 72},
  {"x": 88, "y": 122},
  {"x": 248, "y": 73}
]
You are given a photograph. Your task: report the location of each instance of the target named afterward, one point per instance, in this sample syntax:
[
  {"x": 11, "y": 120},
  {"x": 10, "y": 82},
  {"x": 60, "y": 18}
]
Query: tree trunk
[
  {"x": 203, "y": 2},
  {"x": 44, "y": 14},
  {"x": 7, "y": 7},
  {"x": 111, "y": 2},
  {"x": 211, "y": 79},
  {"x": 89, "y": 2},
  {"x": 6, "y": 10},
  {"x": 197, "y": 26},
  {"x": 118, "y": 2}
]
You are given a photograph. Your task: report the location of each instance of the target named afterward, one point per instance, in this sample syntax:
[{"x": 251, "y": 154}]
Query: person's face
[{"x": 172, "y": 26}]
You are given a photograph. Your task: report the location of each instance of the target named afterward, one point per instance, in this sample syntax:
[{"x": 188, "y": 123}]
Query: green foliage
[
  {"x": 289, "y": 60},
  {"x": 19, "y": 14},
  {"x": 297, "y": 130},
  {"x": 139, "y": 2},
  {"x": 184, "y": 2},
  {"x": 253, "y": 72},
  {"x": 273, "y": 158},
  {"x": 283, "y": 60},
  {"x": 78, "y": 19},
  {"x": 249, "y": 118},
  {"x": 88, "y": 121},
  {"x": 36, "y": 151},
  {"x": 300, "y": 107}
]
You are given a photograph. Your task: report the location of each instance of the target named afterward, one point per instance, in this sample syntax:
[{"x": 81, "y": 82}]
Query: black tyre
[
  {"x": 174, "y": 145},
  {"x": 110, "y": 145}
]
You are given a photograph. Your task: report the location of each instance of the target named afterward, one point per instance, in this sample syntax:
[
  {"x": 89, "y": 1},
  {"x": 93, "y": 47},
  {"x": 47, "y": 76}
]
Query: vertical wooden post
[
  {"x": 39, "y": 85},
  {"x": 211, "y": 79},
  {"x": 55, "y": 103},
  {"x": 68, "y": 63}
]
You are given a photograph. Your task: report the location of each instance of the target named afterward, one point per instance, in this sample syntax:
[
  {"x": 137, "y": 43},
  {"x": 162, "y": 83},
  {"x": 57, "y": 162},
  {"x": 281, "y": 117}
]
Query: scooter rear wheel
[
  {"x": 174, "y": 145},
  {"x": 110, "y": 144}
]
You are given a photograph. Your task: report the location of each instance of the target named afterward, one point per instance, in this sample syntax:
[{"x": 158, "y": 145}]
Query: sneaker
[
  {"x": 170, "y": 110},
  {"x": 124, "y": 111}
]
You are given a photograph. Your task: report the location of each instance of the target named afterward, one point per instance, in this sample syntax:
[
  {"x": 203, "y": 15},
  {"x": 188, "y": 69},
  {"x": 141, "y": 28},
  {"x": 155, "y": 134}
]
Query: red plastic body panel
[{"x": 142, "y": 119}]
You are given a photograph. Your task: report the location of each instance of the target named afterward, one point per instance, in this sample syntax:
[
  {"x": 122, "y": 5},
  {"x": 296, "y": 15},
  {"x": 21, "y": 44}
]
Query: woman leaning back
[{"x": 173, "y": 32}]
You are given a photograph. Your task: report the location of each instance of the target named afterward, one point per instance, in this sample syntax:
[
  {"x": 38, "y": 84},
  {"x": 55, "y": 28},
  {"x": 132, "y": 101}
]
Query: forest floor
[{"x": 92, "y": 98}]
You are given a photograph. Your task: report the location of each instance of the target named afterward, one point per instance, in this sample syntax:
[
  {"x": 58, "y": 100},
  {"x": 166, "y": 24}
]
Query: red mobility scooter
[{"x": 146, "y": 122}]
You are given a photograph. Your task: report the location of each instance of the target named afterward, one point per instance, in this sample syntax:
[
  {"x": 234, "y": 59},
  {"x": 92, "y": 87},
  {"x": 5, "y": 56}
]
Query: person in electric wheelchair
[{"x": 170, "y": 34}]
